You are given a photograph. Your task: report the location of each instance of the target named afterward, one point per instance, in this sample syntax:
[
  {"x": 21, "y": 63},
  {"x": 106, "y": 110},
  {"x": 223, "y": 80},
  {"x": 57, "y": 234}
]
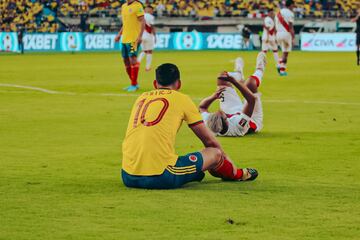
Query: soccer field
[{"x": 63, "y": 118}]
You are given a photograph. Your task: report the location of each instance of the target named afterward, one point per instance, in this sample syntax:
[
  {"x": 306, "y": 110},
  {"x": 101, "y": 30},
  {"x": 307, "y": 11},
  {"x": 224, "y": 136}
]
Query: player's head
[
  {"x": 271, "y": 12},
  {"x": 167, "y": 75},
  {"x": 149, "y": 9},
  {"x": 217, "y": 122},
  {"x": 289, "y": 4}
]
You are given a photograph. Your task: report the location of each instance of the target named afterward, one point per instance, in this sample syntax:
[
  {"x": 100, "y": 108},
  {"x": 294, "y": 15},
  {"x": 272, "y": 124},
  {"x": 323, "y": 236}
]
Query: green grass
[{"x": 60, "y": 155}]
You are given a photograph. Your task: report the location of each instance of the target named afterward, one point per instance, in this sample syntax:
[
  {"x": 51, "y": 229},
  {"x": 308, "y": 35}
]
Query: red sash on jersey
[
  {"x": 148, "y": 28},
  {"x": 271, "y": 32},
  {"x": 283, "y": 22}
]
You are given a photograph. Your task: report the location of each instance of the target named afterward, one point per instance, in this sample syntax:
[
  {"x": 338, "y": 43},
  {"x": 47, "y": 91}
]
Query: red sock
[
  {"x": 225, "y": 170},
  {"x": 134, "y": 74}
]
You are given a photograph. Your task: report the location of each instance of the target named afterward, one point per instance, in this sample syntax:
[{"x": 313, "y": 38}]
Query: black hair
[
  {"x": 289, "y": 3},
  {"x": 167, "y": 74},
  {"x": 270, "y": 9},
  {"x": 149, "y": 6}
]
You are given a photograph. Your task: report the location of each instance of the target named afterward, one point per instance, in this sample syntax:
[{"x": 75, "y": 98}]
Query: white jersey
[
  {"x": 270, "y": 24},
  {"x": 288, "y": 17},
  {"x": 239, "y": 123},
  {"x": 149, "y": 22}
]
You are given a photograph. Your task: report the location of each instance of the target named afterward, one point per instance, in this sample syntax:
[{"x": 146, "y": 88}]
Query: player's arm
[
  {"x": 206, "y": 102},
  {"x": 142, "y": 28},
  {"x": 153, "y": 31},
  {"x": 246, "y": 92},
  {"x": 356, "y": 18},
  {"x": 118, "y": 36},
  {"x": 292, "y": 31},
  {"x": 205, "y": 136}
]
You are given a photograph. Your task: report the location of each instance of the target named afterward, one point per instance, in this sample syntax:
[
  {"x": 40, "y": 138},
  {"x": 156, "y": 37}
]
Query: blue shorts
[
  {"x": 129, "y": 50},
  {"x": 187, "y": 169}
]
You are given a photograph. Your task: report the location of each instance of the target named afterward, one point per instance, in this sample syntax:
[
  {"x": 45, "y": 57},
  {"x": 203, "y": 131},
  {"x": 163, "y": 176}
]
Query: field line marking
[{"x": 43, "y": 90}]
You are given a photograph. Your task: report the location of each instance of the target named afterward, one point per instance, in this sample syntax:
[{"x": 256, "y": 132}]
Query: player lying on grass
[
  {"x": 236, "y": 118},
  {"x": 149, "y": 158}
]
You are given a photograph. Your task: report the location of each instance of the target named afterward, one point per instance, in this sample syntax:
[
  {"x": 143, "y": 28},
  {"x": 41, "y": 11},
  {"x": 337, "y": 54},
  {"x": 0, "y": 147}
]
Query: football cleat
[
  {"x": 249, "y": 174},
  {"x": 261, "y": 61},
  {"x": 283, "y": 74},
  {"x": 132, "y": 88},
  {"x": 239, "y": 66}
]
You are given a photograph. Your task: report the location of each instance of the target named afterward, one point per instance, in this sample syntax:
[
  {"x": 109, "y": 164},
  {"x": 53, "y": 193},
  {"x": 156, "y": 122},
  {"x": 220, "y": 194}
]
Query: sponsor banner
[
  {"x": 77, "y": 41},
  {"x": 339, "y": 42},
  {"x": 8, "y": 42},
  {"x": 39, "y": 42}
]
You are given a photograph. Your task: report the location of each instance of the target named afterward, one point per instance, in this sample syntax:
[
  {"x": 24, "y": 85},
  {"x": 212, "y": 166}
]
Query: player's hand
[
  {"x": 225, "y": 77},
  {"x": 218, "y": 93},
  {"x": 139, "y": 40},
  {"x": 117, "y": 38}
]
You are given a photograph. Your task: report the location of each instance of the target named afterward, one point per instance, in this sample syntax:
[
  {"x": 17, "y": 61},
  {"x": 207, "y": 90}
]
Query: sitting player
[
  {"x": 236, "y": 118},
  {"x": 149, "y": 158}
]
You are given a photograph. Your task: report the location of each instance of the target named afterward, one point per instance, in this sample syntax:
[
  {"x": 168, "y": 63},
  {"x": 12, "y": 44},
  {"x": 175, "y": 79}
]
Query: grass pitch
[{"x": 60, "y": 152}]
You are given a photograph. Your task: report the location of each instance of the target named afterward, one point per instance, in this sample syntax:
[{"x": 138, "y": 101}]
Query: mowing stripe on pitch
[{"x": 43, "y": 90}]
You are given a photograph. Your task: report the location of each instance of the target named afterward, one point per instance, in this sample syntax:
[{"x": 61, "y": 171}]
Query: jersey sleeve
[
  {"x": 192, "y": 115},
  {"x": 140, "y": 11}
]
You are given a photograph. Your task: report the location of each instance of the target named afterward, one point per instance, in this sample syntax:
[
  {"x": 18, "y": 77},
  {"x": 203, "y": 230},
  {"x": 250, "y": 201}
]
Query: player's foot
[
  {"x": 278, "y": 69},
  {"x": 131, "y": 88},
  {"x": 261, "y": 61},
  {"x": 283, "y": 74},
  {"x": 239, "y": 66},
  {"x": 249, "y": 174},
  {"x": 147, "y": 69}
]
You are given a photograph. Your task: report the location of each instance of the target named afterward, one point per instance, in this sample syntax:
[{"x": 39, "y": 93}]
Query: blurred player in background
[
  {"x": 236, "y": 118},
  {"x": 148, "y": 38},
  {"x": 132, "y": 14},
  {"x": 285, "y": 34},
  {"x": 357, "y": 20},
  {"x": 269, "y": 36},
  {"x": 149, "y": 158}
]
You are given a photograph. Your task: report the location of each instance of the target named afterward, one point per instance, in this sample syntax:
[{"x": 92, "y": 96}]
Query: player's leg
[
  {"x": 287, "y": 45},
  {"x": 274, "y": 48},
  {"x": 134, "y": 67},
  {"x": 253, "y": 83},
  {"x": 141, "y": 56},
  {"x": 222, "y": 167},
  {"x": 230, "y": 101},
  {"x": 148, "y": 60},
  {"x": 125, "y": 56}
]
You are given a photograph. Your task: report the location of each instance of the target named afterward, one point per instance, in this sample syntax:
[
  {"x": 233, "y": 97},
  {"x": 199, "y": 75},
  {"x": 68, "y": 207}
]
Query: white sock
[
  {"x": 141, "y": 56},
  {"x": 259, "y": 74},
  {"x": 148, "y": 60},
  {"x": 276, "y": 58}
]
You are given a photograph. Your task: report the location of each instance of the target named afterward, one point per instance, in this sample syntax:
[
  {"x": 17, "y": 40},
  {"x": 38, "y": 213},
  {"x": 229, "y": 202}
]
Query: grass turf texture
[{"x": 60, "y": 155}]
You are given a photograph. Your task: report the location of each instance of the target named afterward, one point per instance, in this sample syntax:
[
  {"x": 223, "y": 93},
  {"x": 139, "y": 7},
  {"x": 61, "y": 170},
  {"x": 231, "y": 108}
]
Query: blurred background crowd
[{"x": 47, "y": 16}]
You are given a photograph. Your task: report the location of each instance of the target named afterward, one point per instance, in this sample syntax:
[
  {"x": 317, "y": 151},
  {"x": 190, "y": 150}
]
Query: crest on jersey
[
  {"x": 193, "y": 158},
  {"x": 243, "y": 122},
  {"x": 130, "y": 10}
]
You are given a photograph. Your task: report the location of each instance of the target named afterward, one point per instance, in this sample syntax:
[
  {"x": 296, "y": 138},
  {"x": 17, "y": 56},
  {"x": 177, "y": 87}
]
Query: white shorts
[
  {"x": 231, "y": 103},
  {"x": 270, "y": 45},
  {"x": 284, "y": 39},
  {"x": 148, "y": 42}
]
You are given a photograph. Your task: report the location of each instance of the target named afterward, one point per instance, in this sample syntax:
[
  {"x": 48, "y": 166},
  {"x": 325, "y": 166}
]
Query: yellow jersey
[
  {"x": 131, "y": 24},
  {"x": 149, "y": 144}
]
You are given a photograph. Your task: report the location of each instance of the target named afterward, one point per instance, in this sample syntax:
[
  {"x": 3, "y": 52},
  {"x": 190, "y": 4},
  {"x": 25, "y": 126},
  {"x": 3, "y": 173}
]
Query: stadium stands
[{"x": 56, "y": 15}]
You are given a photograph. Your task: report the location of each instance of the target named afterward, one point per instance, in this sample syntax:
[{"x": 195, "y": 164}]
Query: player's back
[
  {"x": 155, "y": 119},
  {"x": 283, "y": 19}
]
